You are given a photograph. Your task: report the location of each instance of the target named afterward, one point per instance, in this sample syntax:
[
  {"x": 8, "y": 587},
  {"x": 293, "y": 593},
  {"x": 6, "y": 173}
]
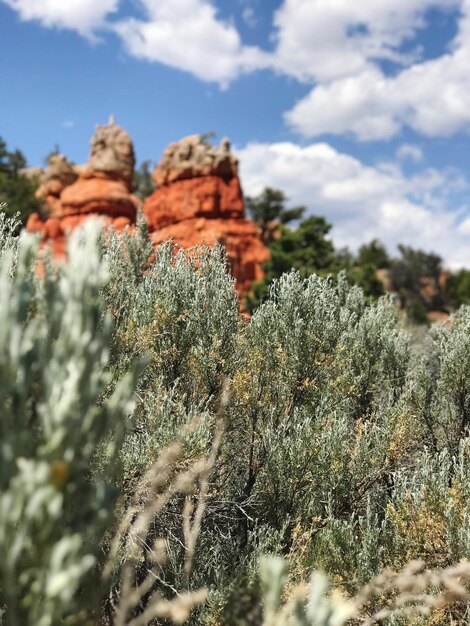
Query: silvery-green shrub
[
  {"x": 344, "y": 450},
  {"x": 54, "y": 354}
]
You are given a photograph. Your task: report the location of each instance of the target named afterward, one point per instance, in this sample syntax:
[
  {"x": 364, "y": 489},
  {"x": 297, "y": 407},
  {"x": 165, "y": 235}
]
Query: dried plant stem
[
  {"x": 158, "y": 486},
  {"x": 410, "y": 590},
  {"x": 191, "y": 530}
]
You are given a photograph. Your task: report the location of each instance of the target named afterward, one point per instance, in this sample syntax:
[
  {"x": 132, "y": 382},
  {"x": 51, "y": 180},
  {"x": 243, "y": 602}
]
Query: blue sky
[{"x": 359, "y": 109}]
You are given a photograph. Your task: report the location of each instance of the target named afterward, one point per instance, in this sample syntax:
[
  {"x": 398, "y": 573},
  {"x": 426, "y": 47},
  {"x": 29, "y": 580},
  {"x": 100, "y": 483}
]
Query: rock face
[
  {"x": 199, "y": 201},
  {"x": 194, "y": 156},
  {"x": 58, "y": 175},
  {"x": 210, "y": 197},
  {"x": 97, "y": 193},
  {"x": 103, "y": 189},
  {"x": 112, "y": 153}
]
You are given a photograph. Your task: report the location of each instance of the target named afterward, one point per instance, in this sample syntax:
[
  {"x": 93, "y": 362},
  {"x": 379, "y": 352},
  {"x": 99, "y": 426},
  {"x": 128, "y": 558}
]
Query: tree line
[{"x": 301, "y": 242}]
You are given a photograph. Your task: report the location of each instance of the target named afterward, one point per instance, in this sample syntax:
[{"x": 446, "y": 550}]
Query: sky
[{"x": 357, "y": 109}]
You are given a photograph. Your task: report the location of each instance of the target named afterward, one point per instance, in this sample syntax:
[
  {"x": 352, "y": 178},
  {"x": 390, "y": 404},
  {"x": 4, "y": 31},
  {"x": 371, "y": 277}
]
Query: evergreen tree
[
  {"x": 15, "y": 189},
  {"x": 374, "y": 254},
  {"x": 268, "y": 211},
  {"x": 458, "y": 288},
  {"x": 305, "y": 248},
  {"x": 416, "y": 278},
  {"x": 362, "y": 270},
  {"x": 366, "y": 277},
  {"x": 143, "y": 182}
]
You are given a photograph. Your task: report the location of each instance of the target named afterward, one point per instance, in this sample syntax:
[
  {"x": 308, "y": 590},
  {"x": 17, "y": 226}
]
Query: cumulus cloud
[
  {"x": 336, "y": 45},
  {"x": 432, "y": 97},
  {"x": 410, "y": 152},
  {"x": 83, "y": 16},
  {"x": 322, "y": 40},
  {"x": 188, "y": 35},
  {"x": 363, "y": 202}
]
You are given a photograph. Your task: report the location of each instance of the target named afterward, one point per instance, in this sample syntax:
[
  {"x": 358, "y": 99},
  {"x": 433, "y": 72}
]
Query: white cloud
[
  {"x": 188, "y": 35},
  {"x": 249, "y": 17},
  {"x": 323, "y": 40},
  {"x": 184, "y": 34},
  {"x": 359, "y": 104},
  {"x": 334, "y": 45},
  {"x": 432, "y": 97},
  {"x": 83, "y": 16},
  {"x": 363, "y": 202},
  {"x": 410, "y": 152},
  {"x": 464, "y": 227}
]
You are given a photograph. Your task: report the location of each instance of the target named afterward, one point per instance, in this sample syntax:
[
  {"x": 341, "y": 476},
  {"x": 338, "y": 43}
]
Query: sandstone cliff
[{"x": 199, "y": 201}]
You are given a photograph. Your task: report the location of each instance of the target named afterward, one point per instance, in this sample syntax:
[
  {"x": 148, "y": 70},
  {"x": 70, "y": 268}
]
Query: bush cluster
[
  {"x": 155, "y": 445},
  {"x": 417, "y": 278}
]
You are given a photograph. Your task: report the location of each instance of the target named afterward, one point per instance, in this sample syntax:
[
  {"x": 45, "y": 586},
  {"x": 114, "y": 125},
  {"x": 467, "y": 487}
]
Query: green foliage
[
  {"x": 415, "y": 276},
  {"x": 365, "y": 276},
  {"x": 343, "y": 450},
  {"x": 373, "y": 254},
  {"x": 143, "y": 182},
  {"x": 268, "y": 211},
  {"x": 53, "y": 356},
  {"x": 458, "y": 288},
  {"x": 410, "y": 273},
  {"x": 15, "y": 189},
  {"x": 305, "y": 248}
]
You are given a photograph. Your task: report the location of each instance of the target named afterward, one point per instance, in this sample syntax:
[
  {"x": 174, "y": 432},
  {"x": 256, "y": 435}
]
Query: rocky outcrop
[
  {"x": 210, "y": 197},
  {"x": 103, "y": 189},
  {"x": 199, "y": 201},
  {"x": 97, "y": 193},
  {"x": 58, "y": 175},
  {"x": 194, "y": 156},
  {"x": 240, "y": 238},
  {"x": 112, "y": 153}
]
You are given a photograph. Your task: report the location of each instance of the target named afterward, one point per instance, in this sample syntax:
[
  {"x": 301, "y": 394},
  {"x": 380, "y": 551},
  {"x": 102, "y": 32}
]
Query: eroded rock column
[
  {"x": 103, "y": 189},
  {"x": 199, "y": 201}
]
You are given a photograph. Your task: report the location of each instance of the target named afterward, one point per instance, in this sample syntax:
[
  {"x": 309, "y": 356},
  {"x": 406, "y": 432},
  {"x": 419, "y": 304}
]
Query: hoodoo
[
  {"x": 103, "y": 189},
  {"x": 199, "y": 201},
  {"x": 58, "y": 175}
]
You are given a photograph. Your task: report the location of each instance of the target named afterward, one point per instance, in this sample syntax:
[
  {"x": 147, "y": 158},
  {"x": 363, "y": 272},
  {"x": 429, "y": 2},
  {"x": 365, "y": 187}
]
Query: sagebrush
[{"x": 155, "y": 446}]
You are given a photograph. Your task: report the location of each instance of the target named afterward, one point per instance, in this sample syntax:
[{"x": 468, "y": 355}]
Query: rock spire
[
  {"x": 199, "y": 201},
  {"x": 102, "y": 189}
]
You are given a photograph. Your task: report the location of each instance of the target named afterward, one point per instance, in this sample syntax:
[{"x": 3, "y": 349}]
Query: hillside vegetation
[{"x": 155, "y": 447}]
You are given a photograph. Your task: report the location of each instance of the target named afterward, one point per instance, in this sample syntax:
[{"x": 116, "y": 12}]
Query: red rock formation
[
  {"x": 206, "y": 196},
  {"x": 102, "y": 190},
  {"x": 98, "y": 193},
  {"x": 199, "y": 201},
  {"x": 58, "y": 175}
]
